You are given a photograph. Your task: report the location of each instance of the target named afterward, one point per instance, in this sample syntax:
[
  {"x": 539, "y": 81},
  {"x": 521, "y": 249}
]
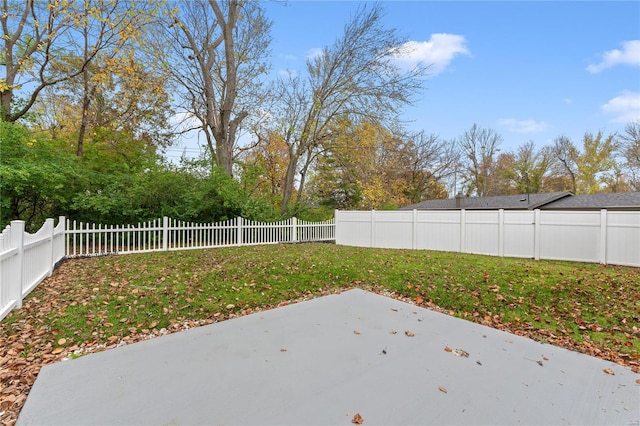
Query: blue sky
[{"x": 528, "y": 70}]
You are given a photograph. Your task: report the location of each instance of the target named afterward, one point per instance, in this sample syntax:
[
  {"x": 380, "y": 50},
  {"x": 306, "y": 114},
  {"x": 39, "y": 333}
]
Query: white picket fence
[
  {"x": 608, "y": 237},
  {"x": 27, "y": 259},
  {"x": 85, "y": 239}
]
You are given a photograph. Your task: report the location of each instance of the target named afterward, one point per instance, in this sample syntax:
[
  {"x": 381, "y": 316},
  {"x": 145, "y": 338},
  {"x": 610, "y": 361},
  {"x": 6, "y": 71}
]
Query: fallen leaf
[
  {"x": 460, "y": 352},
  {"x": 447, "y": 349},
  {"x": 62, "y": 341},
  {"x": 638, "y": 381},
  {"x": 357, "y": 419},
  {"x": 409, "y": 333},
  {"x": 609, "y": 371},
  {"x": 540, "y": 363},
  {"x": 356, "y": 332},
  {"x": 56, "y": 351},
  {"x": 393, "y": 332},
  {"x": 283, "y": 350},
  {"x": 478, "y": 362},
  {"x": 419, "y": 300},
  {"x": 442, "y": 389}
]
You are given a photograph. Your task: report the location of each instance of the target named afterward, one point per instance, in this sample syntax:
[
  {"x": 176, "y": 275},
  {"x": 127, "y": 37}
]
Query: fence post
[
  {"x": 58, "y": 245},
  {"x": 373, "y": 229},
  {"x": 463, "y": 230},
  {"x": 239, "y": 231},
  {"x": 414, "y": 239},
  {"x": 17, "y": 241},
  {"x": 165, "y": 233},
  {"x": 536, "y": 233},
  {"x": 294, "y": 230},
  {"x": 603, "y": 236},
  {"x": 48, "y": 224},
  {"x": 501, "y": 232}
]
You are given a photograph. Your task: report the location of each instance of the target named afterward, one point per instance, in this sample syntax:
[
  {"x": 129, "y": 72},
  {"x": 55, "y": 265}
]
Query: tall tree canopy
[{"x": 356, "y": 77}]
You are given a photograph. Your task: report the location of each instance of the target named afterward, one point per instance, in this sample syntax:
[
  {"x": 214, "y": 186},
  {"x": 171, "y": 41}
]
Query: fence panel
[
  {"x": 623, "y": 238},
  {"x": 519, "y": 234},
  {"x": 438, "y": 230},
  {"x": 27, "y": 259},
  {"x": 482, "y": 234},
  {"x": 393, "y": 229},
  {"x": 354, "y": 228},
  {"x": 316, "y": 231},
  {"x": 570, "y": 235}
]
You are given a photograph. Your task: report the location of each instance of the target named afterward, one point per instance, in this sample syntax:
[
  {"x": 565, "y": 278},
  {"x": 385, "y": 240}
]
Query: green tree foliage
[
  {"x": 524, "y": 171},
  {"x": 37, "y": 179},
  {"x": 590, "y": 170},
  {"x": 114, "y": 183}
]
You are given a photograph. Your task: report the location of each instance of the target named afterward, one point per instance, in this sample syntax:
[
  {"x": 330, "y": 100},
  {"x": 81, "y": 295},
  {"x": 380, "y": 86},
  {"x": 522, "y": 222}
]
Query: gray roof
[
  {"x": 511, "y": 202},
  {"x": 546, "y": 201},
  {"x": 614, "y": 201}
]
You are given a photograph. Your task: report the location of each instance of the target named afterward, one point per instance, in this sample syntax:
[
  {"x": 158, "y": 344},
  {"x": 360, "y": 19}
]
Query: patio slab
[{"x": 324, "y": 360}]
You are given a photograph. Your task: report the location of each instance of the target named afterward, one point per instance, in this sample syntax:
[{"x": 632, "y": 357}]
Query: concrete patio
[{"x": 324, "y": 361}]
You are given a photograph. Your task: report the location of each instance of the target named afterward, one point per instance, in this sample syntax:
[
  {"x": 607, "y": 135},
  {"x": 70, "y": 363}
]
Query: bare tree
[
  {"x": 430, "y": 160},
  {"x": 356, "y": 77},
  {"x": 566, "y": 157},
  {"x": 630, "y": 147},
  {"x": 479, "y": 149},
  {"x": 219, "y": 49}
]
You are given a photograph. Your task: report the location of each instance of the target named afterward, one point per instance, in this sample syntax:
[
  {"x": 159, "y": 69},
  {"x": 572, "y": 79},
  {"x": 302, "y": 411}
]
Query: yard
[{"x": 98, "y": 303}]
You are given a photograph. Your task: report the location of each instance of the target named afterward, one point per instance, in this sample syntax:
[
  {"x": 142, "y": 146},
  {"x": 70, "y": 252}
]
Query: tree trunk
[{"x": 289, "y": 182}]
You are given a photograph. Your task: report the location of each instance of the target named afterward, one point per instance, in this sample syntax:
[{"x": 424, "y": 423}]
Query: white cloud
[
  {"x": 624, "y": 108},
  {"x": 314, "y": 53},
  {"x": 523, "y": 126},
  {"x": 629, "y": 55},
  {"x": 438, "y": 52}
]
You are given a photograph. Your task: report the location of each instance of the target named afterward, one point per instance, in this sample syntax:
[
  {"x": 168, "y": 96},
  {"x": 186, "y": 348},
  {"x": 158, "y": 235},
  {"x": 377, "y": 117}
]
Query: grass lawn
[{"x": 97, "y": 303}]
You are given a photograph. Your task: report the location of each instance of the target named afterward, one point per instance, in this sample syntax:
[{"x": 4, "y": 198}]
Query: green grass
[{"x": 577, "y": 305}]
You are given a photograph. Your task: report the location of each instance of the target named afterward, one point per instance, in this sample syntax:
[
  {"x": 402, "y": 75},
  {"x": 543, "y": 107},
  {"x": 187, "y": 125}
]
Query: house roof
[
  {"x": 614, "y": 201},
  {"x": 511, "y": 202},
  {"x": 546, "y": 201}
]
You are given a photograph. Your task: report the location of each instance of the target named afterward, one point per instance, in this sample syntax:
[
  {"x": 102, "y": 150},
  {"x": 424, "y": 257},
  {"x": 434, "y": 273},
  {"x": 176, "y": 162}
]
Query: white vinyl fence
[
  {"x": 609, "y": 237},
  {"x": 27, "y": 259}
]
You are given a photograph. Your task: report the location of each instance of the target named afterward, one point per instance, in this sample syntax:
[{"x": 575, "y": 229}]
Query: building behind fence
[
  {"x": 609, "y": 237},
  {"x": 27, "y": 259}
]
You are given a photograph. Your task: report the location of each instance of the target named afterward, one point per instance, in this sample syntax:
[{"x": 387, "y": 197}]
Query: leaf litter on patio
[{"x": 96, "y": 304}]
